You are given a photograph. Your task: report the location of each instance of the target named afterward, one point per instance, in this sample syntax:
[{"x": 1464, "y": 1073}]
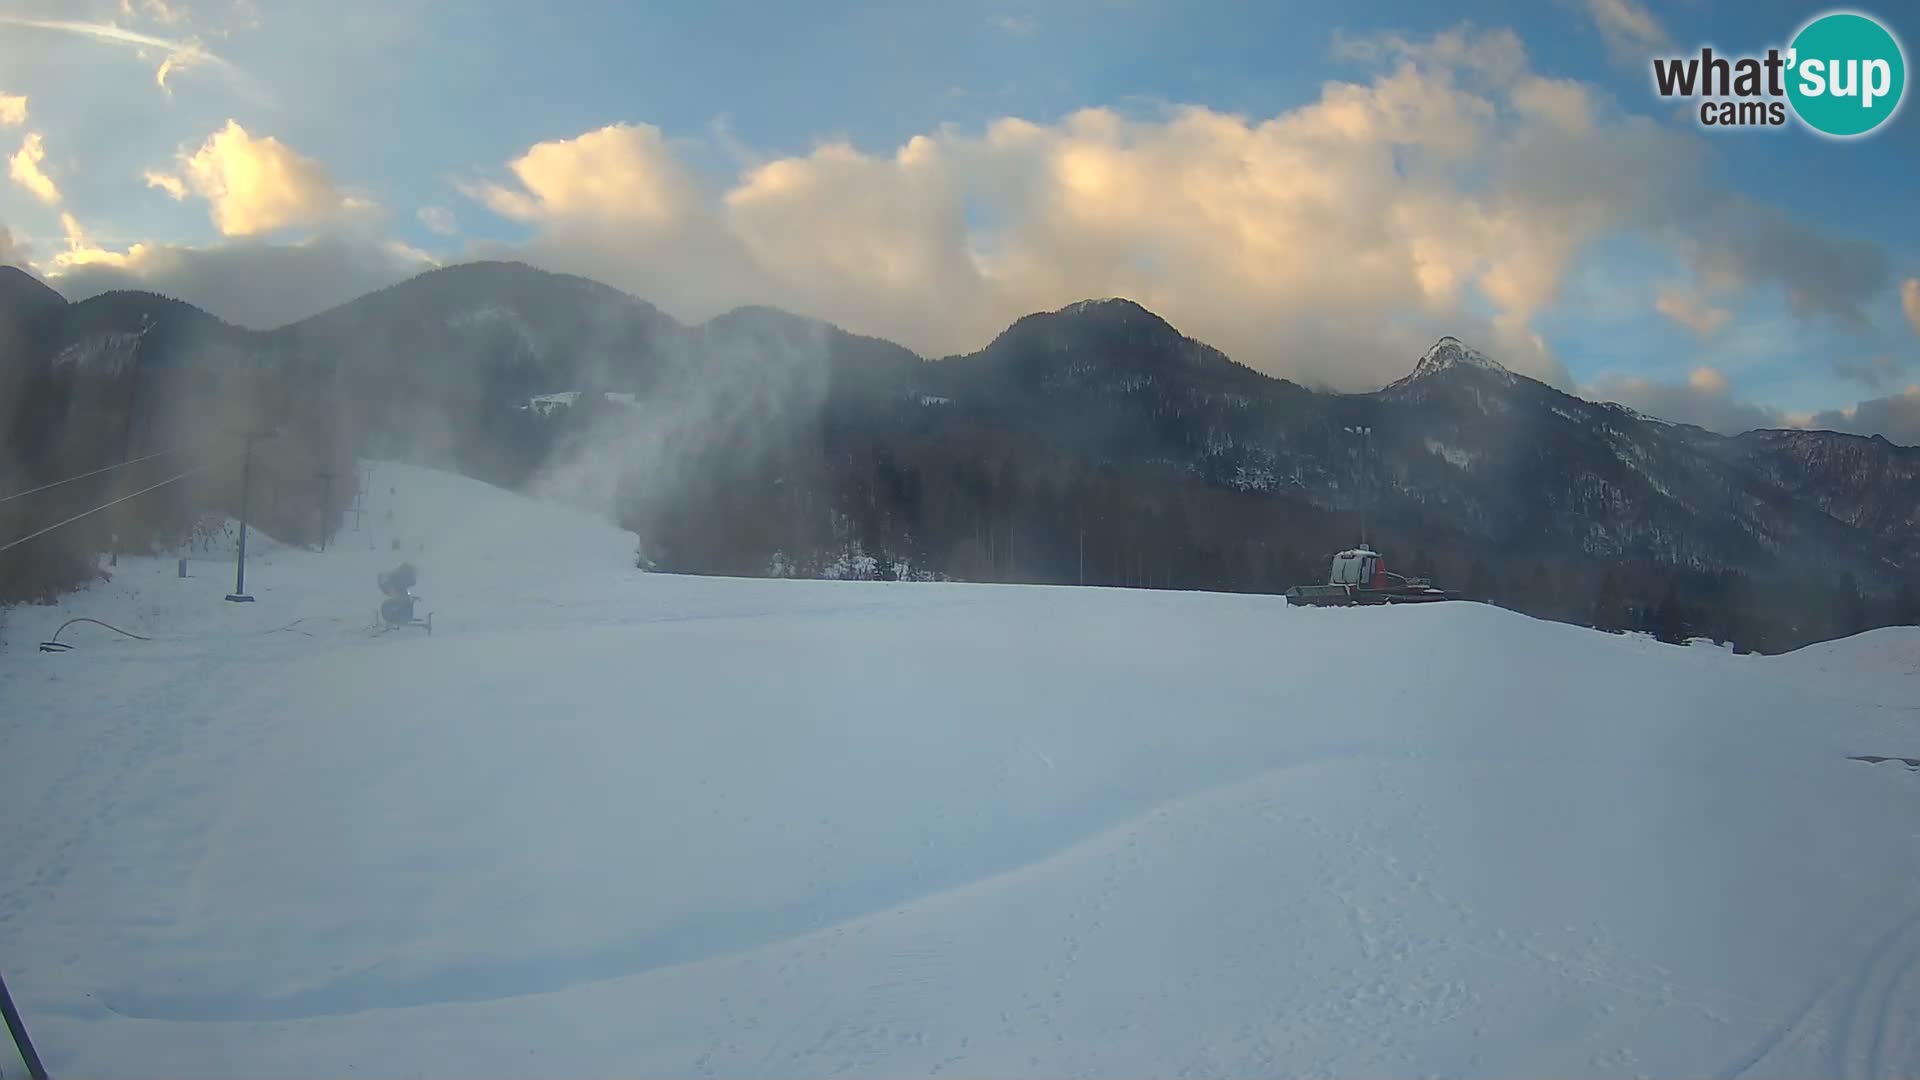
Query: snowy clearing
[{"x": 603, "y": 823}]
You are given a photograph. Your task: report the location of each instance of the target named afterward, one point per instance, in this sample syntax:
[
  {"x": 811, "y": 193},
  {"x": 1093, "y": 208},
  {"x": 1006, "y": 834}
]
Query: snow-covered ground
[{"x": 607, "y": 823}]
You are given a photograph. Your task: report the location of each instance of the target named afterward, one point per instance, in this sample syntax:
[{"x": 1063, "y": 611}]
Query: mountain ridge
[
  {"x": 982, "y": 463},
  {"x": 1447, "y": 352}
]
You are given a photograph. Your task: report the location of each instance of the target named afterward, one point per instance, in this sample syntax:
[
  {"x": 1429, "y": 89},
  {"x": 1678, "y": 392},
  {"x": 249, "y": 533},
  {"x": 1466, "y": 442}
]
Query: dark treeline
[{"x": 917, "y": 512}]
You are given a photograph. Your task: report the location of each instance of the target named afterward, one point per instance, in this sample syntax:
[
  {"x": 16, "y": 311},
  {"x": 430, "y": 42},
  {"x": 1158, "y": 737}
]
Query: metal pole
[
  {"x": 1366, "y": 493},
  {"x": 326, "y": 501},
  {"x": 19, "y": 1029},
  {"x": 239, "y": 594},
  {"x": 1360, "y": 476}
]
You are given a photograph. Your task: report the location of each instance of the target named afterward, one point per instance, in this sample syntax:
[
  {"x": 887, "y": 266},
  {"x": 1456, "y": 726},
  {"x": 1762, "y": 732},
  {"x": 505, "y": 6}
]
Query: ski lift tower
[{"x": 239, "y": 593}]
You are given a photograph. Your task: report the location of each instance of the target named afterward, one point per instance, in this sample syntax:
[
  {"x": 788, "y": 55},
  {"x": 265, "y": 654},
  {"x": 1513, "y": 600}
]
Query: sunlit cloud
[
  {"x": 24, "y": 167},
  {"x": 13, "y": 110},
  {"x": 82, "y": 251},
  {"x": 175, "y": 187},
  {"x": 256, "y": 185},
  {"x": 1708, "y": 380},
  {"x": 179, "y": 54}
]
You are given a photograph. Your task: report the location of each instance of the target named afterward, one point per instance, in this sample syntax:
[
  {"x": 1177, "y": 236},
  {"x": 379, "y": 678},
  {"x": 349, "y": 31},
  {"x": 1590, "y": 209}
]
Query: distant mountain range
[{"x": 761, "y": 439}]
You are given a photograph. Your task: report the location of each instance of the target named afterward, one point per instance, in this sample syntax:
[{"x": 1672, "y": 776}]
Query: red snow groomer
[{"x": 1360, "y": 576}]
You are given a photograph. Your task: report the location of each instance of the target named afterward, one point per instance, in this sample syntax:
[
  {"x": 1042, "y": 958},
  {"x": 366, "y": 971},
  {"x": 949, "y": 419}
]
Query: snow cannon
[
  {"x": 399, "y": 581},
  {"x": 397, "y": 609}
]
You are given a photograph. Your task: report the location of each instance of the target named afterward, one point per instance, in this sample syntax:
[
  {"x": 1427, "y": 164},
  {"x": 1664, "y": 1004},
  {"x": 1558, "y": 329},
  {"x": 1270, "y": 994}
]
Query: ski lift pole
[
  {"x": 1361, "y": 491},
  {"x": 19, "y": 1030},
  {"x": 247, "y": 439}
]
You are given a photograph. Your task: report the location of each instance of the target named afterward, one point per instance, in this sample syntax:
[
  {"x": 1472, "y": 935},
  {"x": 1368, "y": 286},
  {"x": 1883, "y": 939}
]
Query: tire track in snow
[
  {"x": 1777, "y": 1036},
  {"x": 1881, "y": 981},
  {"x": 1896, "y": 1011},
  {"x": 1874, "y": 1001}
]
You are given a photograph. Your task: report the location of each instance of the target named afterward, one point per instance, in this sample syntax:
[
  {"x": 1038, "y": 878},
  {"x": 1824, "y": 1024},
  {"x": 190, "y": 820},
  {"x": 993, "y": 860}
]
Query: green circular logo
[{"x": 1847, "y": 74}]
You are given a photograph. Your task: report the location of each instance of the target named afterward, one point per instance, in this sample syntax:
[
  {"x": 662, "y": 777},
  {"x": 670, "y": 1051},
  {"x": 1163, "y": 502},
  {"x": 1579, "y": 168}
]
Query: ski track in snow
[
  {"x": 1862, "y": 1019},
  {"x": 605, "y": 822}
]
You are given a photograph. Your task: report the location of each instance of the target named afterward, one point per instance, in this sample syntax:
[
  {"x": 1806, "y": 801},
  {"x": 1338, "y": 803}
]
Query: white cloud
[
  {"x": 1691, "y": 310},
  {"x": 13, "y": 110},
  {"x": 1897, "y": 417},
  {"x": 179, "y": 61},
  {"x": 25, "y": 169},
  {"x": 1631, "y": 32},
  {"x": 1017, "y": 25},
  {"x": 158, "y": 10},
  {"x": 625, "y": 172},
  {"x": 439, "y": 219},
  {"x": 177, "y": 54},
  {"x": 1708, "y": 380},
  {"x": 175, "y": 187},
  {"x": 256, "y": 186},
  {"x": 82, "y": 251},
  {"x": 1910, "y": 301},
  {"x": 1706, "y": 399},
  {"x": 616, "y": 204},
  {"x": 249, "y": 283}
]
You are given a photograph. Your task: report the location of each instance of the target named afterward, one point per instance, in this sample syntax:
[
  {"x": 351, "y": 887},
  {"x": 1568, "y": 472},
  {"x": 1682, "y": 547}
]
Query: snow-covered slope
[
  {"x": 1451, "y": 352},
  {"x": 611, "y": 823}
]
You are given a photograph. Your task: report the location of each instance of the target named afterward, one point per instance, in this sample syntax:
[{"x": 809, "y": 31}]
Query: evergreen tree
[
  {"x": 1539, "y": 599},
  {"x": 1609, "y": 607},
  {"x": 1480, "y": 583},
  {"x": 1853, "y": 617},
  {"x": 1906, "y": 605},
  {"x": 1669, "y": 619}
]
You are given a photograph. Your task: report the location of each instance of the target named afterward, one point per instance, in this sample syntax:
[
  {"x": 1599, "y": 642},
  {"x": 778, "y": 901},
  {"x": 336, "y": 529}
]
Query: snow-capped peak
[
  {"x": 1082, "y": 307},
  {"x": 1451, "y": 352}
]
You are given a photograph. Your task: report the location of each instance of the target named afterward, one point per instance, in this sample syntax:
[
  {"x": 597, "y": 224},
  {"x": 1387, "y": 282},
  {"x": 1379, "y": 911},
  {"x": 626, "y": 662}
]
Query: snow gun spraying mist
[{"x": 397, "y": 609}]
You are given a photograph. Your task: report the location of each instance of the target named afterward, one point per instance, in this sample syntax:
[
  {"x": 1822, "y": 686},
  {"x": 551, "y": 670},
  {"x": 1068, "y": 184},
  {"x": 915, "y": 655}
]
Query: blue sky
[{"x": 1348, "y": 180}]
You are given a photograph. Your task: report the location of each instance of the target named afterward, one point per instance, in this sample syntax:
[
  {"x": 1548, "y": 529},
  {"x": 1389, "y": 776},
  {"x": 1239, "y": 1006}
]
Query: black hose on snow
[{"x": 19, "y": 1029}]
